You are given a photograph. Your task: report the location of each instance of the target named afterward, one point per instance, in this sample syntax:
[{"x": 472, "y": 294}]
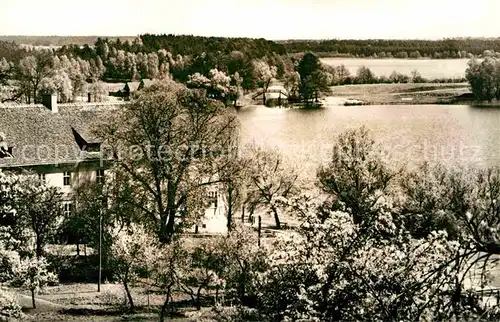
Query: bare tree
[
  {"x": 358, "y": 175},
  {"x": 39, "y": 208},
  {"x": 32, "y": 70},
  {"x": 270, "y": 178},
  {"x": 233, "y": 172},
  {"x": 167, "y": 142}
]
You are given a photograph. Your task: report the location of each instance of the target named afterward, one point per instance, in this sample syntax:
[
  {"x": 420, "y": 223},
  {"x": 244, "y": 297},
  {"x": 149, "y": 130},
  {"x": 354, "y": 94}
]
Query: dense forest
[
  {"x": 225, "y": 67},
  {"x": 446, "y": 48},
  {"x": 187, "y": 44}
]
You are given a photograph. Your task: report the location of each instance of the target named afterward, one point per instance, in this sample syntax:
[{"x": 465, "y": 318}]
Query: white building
[
  {"x": 275, "y": 95},
  {"x": 56, "y": 141}
]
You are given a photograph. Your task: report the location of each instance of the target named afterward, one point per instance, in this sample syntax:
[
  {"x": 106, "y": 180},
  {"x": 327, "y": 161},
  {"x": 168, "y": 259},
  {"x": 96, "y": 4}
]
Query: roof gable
[{"x": 38, "y": 136}]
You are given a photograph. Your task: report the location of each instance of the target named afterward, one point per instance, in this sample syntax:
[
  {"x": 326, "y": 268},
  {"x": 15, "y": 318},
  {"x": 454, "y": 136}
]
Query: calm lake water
[
  {"x": 449, "y": 134},
  {"x": 428, "y": 68}
]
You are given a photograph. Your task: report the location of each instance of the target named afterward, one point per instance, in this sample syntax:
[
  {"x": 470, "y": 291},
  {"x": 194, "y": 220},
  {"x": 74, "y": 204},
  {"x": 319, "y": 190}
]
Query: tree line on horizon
[
  {"x": 225, "y": 67},
  {"x": 446, "y": 48},
  {"x": 443, "y": 48},
  {"x": 387, "y": 48}
]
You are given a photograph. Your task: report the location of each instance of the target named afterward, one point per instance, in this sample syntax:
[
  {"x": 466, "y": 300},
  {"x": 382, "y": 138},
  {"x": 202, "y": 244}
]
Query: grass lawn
[
  {"x": 379, "y": 94},
  {"x": 82, "y": 302}
]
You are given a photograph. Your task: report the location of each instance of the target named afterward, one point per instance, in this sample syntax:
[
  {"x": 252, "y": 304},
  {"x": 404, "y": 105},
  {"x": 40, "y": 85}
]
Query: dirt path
[{"x": 41, "y": 305}]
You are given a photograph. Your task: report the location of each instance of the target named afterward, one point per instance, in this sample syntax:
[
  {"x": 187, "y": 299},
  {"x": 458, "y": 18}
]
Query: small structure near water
[
  {"x": 354, "y": 102},
  {"x": 275, "y": 95}
]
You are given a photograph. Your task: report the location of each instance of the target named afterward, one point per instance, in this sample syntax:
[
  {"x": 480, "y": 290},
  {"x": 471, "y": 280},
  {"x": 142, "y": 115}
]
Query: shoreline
[
  {"x": 395, "y": 94},
  {"x": 322, "y": 55},
  {"x": 403, "y": 94}
]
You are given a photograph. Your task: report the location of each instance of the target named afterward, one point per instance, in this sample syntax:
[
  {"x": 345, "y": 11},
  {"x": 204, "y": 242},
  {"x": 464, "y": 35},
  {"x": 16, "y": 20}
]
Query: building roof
[
  {"x": 276, "y": 95},
  {"x": 277, "y": 89},
  {"x": 113, "y": 87},
  {"x": 135, "y": 85},
  {"x": 272, "y": 93},
  {"x": 132, "y": 86},
  {"x": 38, "y": 136}
]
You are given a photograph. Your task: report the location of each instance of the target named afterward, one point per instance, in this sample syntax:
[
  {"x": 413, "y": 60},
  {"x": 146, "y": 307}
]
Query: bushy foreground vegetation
[{"x": 377, "y": 242}]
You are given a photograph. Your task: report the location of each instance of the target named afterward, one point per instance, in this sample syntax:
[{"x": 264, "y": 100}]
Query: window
[
  {"x": 5, "y": 152},
  {"x": 67, "y": 178},
  {"x": 42, "y": 178},
  {"x": 92, "y": 147},
  {"x": 67, "y": 209},
  {"x": 99, "y": 176},
  {"x": 212, "y": 198}
]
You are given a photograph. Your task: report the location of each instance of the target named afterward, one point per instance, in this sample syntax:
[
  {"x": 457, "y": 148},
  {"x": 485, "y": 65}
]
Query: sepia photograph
[{"x": 249, "y": 160}]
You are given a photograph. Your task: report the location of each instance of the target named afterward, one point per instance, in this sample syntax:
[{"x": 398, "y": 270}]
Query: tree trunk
[
  {"x": 127, "y": 291},
  {"x": 198, "y": 300},
  {"x": 164, "y": 306},
  {"x": 241, "y": 290},
  {"x": 39, "y": 248},
  {"x": 276, "y": 218},
  {"x": 457, "y": 294},
  {"x": 229, "y": 210},
  {"x": 33, "y": 298},
  {"x": 164, "y": 233},
  {"x": 168, "y": 232}
]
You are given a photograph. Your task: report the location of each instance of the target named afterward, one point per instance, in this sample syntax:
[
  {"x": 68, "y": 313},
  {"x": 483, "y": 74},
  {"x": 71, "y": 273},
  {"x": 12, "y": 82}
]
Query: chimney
[{"x": 50, "y": 102}]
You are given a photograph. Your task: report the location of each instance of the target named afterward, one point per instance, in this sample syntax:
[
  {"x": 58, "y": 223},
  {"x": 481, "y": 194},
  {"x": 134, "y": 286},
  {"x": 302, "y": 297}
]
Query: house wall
[
  {"x": 54, "y": 174},
  {"x": 215, "y": 220}
]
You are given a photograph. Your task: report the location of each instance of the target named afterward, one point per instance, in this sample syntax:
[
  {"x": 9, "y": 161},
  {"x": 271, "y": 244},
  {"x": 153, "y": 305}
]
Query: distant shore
[
  {"x": 394, "y": 94},
  {"x": 403, "y": 94}
]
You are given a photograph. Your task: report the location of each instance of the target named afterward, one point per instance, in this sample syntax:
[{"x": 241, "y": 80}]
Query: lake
[
  {"x": 428, "y": 68},
  {"x": 448, "y": 134}
]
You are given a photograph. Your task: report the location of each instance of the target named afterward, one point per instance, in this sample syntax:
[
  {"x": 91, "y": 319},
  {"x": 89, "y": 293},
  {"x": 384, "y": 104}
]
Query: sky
[{"x": 270, "y": 19}]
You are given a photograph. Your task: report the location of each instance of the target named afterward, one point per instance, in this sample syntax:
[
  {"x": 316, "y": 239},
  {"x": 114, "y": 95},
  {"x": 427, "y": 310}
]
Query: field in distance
[
  {"x": 381, "y": 94},
  {"x": 428, "y": 68},
  {"x": 59, "y": 41}
]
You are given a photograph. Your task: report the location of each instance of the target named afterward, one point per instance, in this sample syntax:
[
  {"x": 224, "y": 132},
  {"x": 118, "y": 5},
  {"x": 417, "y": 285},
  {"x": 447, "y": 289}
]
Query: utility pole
[
  {"x": 100, "y": 251},
  {"x": 102, "y": 205},
  {"x": 260, "y": 227}
]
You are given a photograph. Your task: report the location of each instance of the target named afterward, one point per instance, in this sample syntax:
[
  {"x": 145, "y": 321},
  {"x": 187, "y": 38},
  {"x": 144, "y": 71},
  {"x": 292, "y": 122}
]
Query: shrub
[
  {"x": 201, "y": 271},
  {"x": 112, "y": 299},
  {"x": 235, "y": 313},
  {"x": 334, "y": 269},
  {"x": 9, "y": 260},
  {"x": 133, "y": 250},
  {"x": 9, "y": 309},
  {"x": 34, "y": 275}
]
